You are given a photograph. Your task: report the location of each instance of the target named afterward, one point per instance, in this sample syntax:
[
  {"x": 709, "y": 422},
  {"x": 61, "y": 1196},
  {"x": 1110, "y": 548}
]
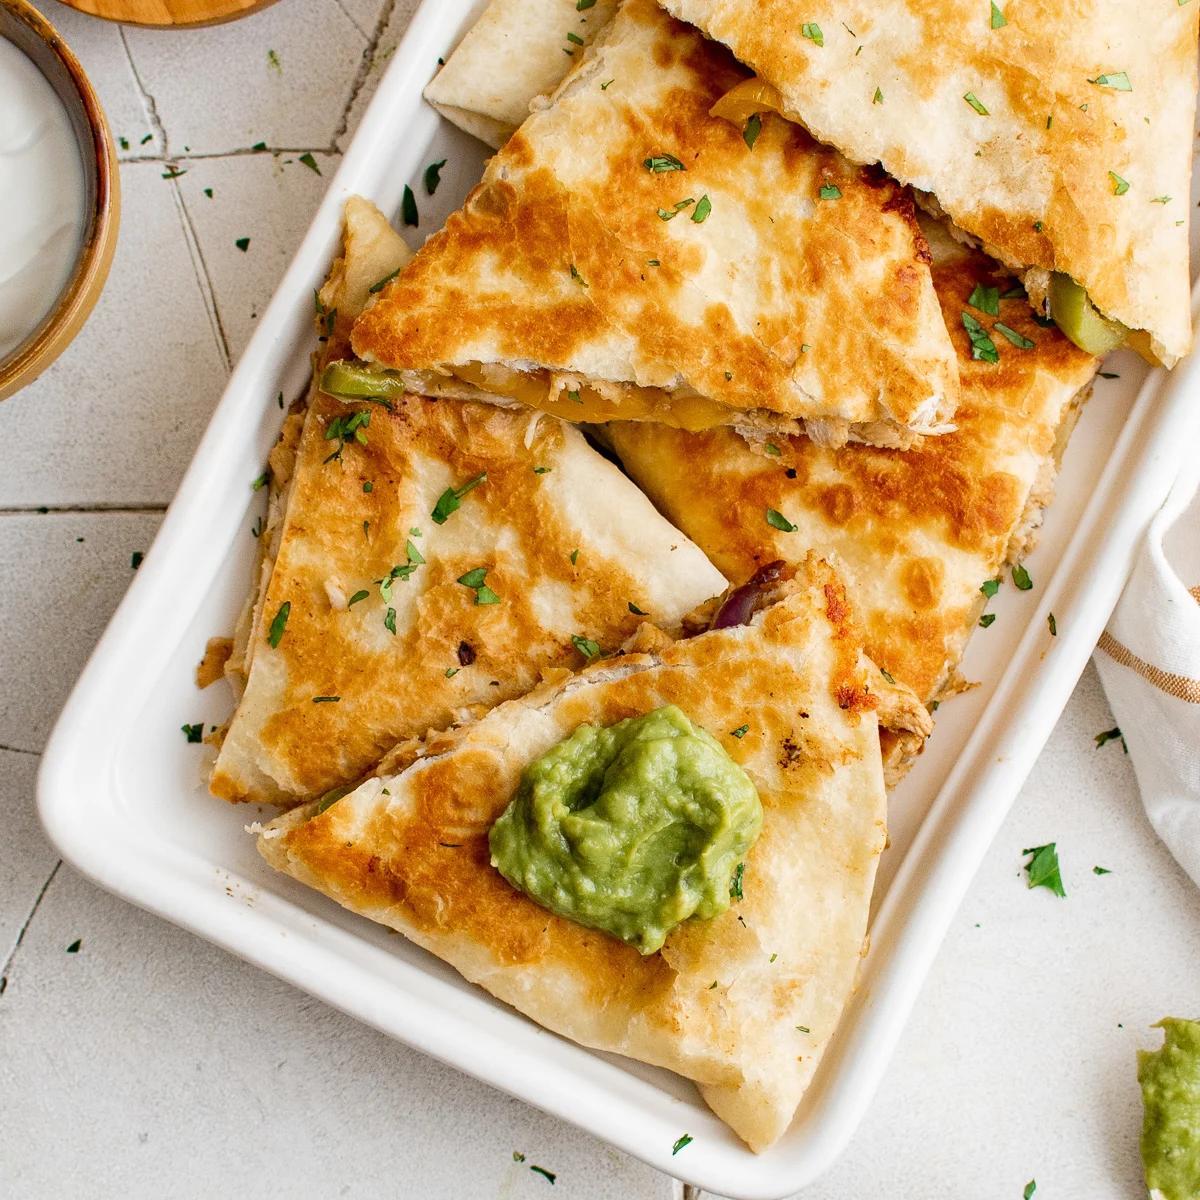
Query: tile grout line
[
  {"x": 148, "y": 102},
  {"x": 166, "y": 160},
  {"x": 203, "y": 278},
  {"x": 8, "y": 962},
  {"x": 346, "y": 13},
  {"x": 364, "y": 69},
  {"x": 21, "y": 750},
  {"x": 43, "y": 510}
]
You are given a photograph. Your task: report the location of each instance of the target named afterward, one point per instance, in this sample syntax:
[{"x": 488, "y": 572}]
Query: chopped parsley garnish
[
  {"x": 752, "y": 130},
  {"x": 451, "y": 499},
  {"x": 414, "y": 555},
  {"x": 812, "y": 31},
  {"x": 585, "y": 646},
  {"x": 475, "y": 579},
  {"x": 712, "y": 985},
  {"x": 663, "y": 162},
  {"x": 279, "y": 624},
  {"x": 243, "y": 244},
  {"x": 1016, "y": 292},
  {"x": 1049, "y": 120},
  {"x": 1161, "y": 200},
  {"x": 584, "y": 4},
  {"x": 379, "y": 285},
  {"x": 451, "y": 672},
  {"x": 259, "y": 147},
  {"x": 982, "y": 346},
  {"x": 330, "y": 322},
  {"x": 998, "y": 18},
  {"x": 310, "y": 162},
  {"x": 604, "y": 86},
  {"x": 1101, "y": 871},
  {"x": 389, "y": 621},
  {"x": 326, "y": 699},
  {"x": 771, "y": 448},
  {"x": 575, "y": 39},
  {"x": 886, "y": 676},
  {"x": 368, "y": 487},
  {"x": 1037, "y": 227},
  {"x": 262, "y": 481},
  {"x": 1020, "y": 578},
  {"x": 517, "y": 1155},
  {"x": 193, "y": 733},
  {"x": 550, "y": 1175},
  {"x": 124, "y": 143},
  {"x": 830, "y": 191},
  {"x": 574, "y": 557},
  {"x": 1118, "y": 80},
  {"x": 208, "y": 192},
  {"x": 579, "y": 279},
  {"x": 1052, "y": 624},
  {"x": 174, "y": 173},
  {"x": 735, "y": 886},
  {"x": 414, "y": 532},
  {"x": 778, "y": 521},
  {"x": 986, "y": 299},
  {"x": 703, "y": 208},
  {"x": 73, "y": 948},
  {"x": 433, "y": 176},
  {"x": 345, "y": 428},
  {"x": 772, "y": 958},
  {"x": 408, "y": 207},
  {"x": 740, "y": 731},
  {"x": 1018, "y": 339},
  {"x": 1030, "y": 1188},
  {"x": 1042, "y": 868},
  {"x": 360, "y": 595},
  {"x": 976, "y": 104},
  {"x": 667, "y": 214},
  {"x": 541, "y": 470},
  {"x": 637, "y": 612},
  {"x": 1108, "y": 375},
  {"x": 804, "y": 1029},
  {"x": 989, "y": 587},
  {"x": 686, "y": 1140},
  {"x": 1111, "y": 735},
  {"x": 136, "y": 559},
  {"x": 986, "y": 620},
  {"x": 1120, "y": 186},
  {"x": 575, "y": 397},
  {"x": 878, "y": 97},
  {"x": 147, "y": 138}
]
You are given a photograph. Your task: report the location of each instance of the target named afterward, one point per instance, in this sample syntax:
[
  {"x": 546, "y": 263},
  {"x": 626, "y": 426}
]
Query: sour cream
[{"x": 41, "y": 197}]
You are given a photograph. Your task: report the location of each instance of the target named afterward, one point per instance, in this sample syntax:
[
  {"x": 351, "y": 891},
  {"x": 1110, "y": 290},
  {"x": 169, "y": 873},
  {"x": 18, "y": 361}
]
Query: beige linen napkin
[{"x": 1149, "y": 663}]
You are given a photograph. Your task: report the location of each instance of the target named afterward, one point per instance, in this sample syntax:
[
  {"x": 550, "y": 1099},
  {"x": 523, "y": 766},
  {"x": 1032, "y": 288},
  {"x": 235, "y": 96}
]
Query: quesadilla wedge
[
  {"x": 1058, "y": 135},
  {"x": 744, "y": 1002},
  {"x": 914, "y": 534},
  {"x": 517, "y": 50},
  {"x": 424, "y": 561},
  {"x": 627, "y": 255}
]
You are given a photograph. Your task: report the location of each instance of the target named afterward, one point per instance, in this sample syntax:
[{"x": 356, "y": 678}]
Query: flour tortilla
[
  {"x": 517, "y": 50},
  {"x": 913, "y": 534},
  {"x": 1035, "y": 179},
  {"x": 758, "y": 304},
  {"x": 416, "y": 858},
  {"x": 568, "y": 543}
]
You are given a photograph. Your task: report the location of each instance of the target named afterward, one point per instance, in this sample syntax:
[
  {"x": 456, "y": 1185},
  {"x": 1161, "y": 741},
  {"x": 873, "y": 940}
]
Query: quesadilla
[
  {"x": 744, "y": 1003},
  {"x": 627, "y": 255},
  {"x": 916, "y": 534},
  {"x": 517, "y": 50},
  {"x": 1059, "y": 136},
  {"x": 423, "y": 562}
]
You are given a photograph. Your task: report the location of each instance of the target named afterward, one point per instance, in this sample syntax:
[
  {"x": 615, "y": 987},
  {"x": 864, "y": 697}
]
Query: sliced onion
[{"x": 738, "y": 607}]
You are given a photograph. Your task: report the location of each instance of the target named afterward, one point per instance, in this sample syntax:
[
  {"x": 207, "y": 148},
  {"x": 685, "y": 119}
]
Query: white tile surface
[{"x": 150, "y": 1063}]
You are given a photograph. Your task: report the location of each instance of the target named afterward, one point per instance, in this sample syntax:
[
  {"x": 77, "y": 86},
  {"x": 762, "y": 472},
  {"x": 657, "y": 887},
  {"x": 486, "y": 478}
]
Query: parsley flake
[
  {"x": 663, "y": 162},
  {"x": 345, "y": 428},
  {"x": 408, "y": 207},
  {"x": 752, "y": 130},
  {"x": 574, "y": 557},
  {"x": 778, "y": 521},
  {"x": 878, "y": 97},
  {"x": 1030, "y": 1188},
  {"x": 243, "y": 244},
  {"x": 173, "y": 173},
  {"x": 1101, "y": 871},
  {"x": 1118, "y": 81},
  {"x": 378, "y": 287},
  {"x": 735, "y": 886},
  {"x": 136, "y": 559},
  {"x": 433, "y": 176},
  {"x": 830, "y": 191},
  {"x": 579, "y": 279},
  {"x": 976, "y": 104},
  {"x": 986, "y": 299},
  {"x": 575, "y": 397},
  {"x": 1161, "y": 200},
  {"x": 604, "y": 86},
  {"x": 208, "y": 192},
  {"x": 982, "y": 346},
  {"x": 310, "y": 162},
  {"x": 703, "y": 208},
  {"x": 549, "y": 1175},
  {"x": 262, "y": 481},
  {"x": 368, "y": 487},
  {"x": 451, "y": 499},
  {"x": 574, "y": 39},
  {"x": 686, "y": 1140},
  {"x": 812, "y": 31},
  {"x": 73, "y": 948},
  {"x": 451, "y": 672},
  {"x": 1042, "y": 868},
  {"x": 585, "y": 646},
  {"x": 740, "y": 731},
  {"x": 989, "y": 587},
  {"x": 1108, "y": 375},
  {"x": 485, "y": 595},
  {"x": 360, "y": 595},
  {"x": 1018, "y": 339},
  {"x": 193, "y": 733},
  {"x": 887, "y": 676},
  {"x": 279, "y": 624},
  {"x": 986, "y": 620},
  {"x": 1120, "y": 186},
  {"x": 517, "y": 1155},
  {"x": 771, "y": 448},
  {"x": 1052, "y": 624},
  {"x": 1111, "y": 735},
  {"x": 1020, "y": 578},
  {"x": 804, "y": 1029},
  {"x": 637, "y": 612},
  {"x": 584, "y": 4},
  {"x": 474, "y": 578},
  {"x": 541, "y": 470},
  {"x": 667, "y": 214},
  {"x": 772, "y": 958},
  {"x": 389, "y": 621},
  {"x": 326, "y": 699},
  {"x": 998, "y": 18}
]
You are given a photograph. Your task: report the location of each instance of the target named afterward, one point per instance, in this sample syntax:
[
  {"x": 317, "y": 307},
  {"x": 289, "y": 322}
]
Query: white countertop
[{"x": 149, "y": 1063}]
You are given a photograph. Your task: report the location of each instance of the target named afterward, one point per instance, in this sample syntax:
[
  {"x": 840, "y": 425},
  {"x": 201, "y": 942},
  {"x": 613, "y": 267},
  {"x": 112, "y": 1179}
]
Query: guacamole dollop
[
  {"x": 1170, "y": 1079},
  {"x": 630, "y": 829}
]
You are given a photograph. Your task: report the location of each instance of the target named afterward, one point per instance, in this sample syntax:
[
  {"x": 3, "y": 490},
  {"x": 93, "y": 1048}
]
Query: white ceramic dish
[{"x": 120, "y": 791}]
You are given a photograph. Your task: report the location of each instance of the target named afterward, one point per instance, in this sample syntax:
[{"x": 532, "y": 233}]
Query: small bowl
[{"x": 32, "y": 34}]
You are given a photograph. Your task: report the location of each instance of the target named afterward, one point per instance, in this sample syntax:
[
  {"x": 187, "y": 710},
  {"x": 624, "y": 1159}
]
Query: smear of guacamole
[
  {"x": 1170, "y": 1079},
  {"x": 630, "y": 829}
]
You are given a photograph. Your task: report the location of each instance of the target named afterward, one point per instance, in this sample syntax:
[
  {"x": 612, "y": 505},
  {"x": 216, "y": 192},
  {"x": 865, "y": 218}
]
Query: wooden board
[{"x": 162, "y": 13}]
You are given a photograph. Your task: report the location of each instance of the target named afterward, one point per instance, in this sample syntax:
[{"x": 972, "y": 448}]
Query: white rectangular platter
[{"x": 121, "y": 793}]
